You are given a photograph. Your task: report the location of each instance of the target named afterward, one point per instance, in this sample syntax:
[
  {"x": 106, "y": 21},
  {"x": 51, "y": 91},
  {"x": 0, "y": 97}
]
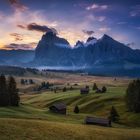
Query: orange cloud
[{"x": 16, "y": 36}]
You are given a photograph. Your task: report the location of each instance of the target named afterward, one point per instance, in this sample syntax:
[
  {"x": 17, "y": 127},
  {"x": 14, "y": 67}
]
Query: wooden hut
[
  {"x": 98, "y": 121},
  {"x": 59, "y": 108},
  {"x": 84, "y": 91}
]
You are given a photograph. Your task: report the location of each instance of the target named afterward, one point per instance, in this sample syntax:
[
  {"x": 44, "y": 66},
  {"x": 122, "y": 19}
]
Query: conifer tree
[
  {"x": 114, "y": 116},
  {"x": 4, "y": 97},
  {"x": 76, "y": 109},
  {"x": 22, "y": 82},
  {"x": 95, "y": 86},
  {"x": 13, "y": 91},
  {"x": 64, "y": 89},
  {"x": 133, "y": 96}
]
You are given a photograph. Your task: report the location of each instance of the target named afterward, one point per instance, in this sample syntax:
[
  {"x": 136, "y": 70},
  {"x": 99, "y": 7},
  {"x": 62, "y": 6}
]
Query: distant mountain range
[
  {"x": 104, "y": 56},
  {"x": 16, "y": 57},
  {"x": 98, "y": 56}
]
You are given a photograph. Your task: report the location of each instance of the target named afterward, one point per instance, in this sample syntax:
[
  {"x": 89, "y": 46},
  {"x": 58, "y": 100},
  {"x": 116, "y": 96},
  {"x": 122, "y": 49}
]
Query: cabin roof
[
  {"x": 59, "y": 106},
  {"x": 97, "y": 120}
]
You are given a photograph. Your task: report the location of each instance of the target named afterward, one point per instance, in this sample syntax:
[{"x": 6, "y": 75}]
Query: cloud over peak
[
  {"x": 37, "y": 27},
  {"x": 88, "y": 32}
]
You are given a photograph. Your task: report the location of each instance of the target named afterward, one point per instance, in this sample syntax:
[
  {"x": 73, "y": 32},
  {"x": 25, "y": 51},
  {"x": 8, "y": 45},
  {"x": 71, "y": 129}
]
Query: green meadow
[{"x": 33, "y": 120}]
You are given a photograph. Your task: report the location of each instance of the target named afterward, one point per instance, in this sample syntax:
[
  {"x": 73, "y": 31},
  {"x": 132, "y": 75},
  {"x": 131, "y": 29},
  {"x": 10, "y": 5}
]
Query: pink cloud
[
  {"x": 18, "y": 6},
  {"x": 104, "y": 29},
  {"x": 97, "y": 7}
]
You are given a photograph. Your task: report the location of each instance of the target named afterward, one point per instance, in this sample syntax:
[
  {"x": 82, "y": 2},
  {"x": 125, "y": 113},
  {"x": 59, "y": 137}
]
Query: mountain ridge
[{"x": 99, "y": 54}]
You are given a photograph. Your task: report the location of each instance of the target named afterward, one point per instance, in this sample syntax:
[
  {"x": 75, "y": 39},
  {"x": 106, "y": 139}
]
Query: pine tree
[
  {"x": 71, "y": 88},
  {"x": 87, "y": 87},
  {"x": 114, "y": 116},
  {"x": 104, "y": 89},
  {"x": 95, "y": 86},
  {"x": 13, "y": 91},
  {"x": 76, "y": 109},
  {"x": 133, "y": 96},
  {"x": 4, "y": 96},
  {"x": 22, "y": 82},
  {"x": 64, "y": 89}
]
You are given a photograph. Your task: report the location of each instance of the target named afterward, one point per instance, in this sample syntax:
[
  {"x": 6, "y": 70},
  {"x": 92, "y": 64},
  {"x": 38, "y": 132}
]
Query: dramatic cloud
[
  {"x": 18, "y": 6},
  {"x": 16, "y": 36},
  {"x": 14, "y": 46},
  {"x": 97, "y": 7},
  {"x": 99, "y": 15},
  {"x": 88, "y": 32},
  {"x": 37, "y": 27}
]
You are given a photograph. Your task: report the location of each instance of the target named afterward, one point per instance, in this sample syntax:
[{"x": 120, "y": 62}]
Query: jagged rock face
[
  {"x": 91, "y": 39},
  {"x": 52, "y": 50},
  {"x": 79, "y": 44},
  {"x": 105, "y": 52}
]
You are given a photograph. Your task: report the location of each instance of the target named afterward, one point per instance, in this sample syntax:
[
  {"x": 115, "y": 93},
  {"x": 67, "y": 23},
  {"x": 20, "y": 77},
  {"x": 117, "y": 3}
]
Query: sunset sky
[{"x": 23, "y": 22}]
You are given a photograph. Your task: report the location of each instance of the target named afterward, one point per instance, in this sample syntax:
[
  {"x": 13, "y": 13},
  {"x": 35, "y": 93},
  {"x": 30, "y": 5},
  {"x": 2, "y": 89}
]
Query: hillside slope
[{"x": 21, "y": 129}]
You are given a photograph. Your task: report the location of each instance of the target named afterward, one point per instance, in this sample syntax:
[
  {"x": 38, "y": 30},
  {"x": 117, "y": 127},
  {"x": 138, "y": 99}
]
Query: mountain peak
[
  {"x": 79, "y": 44},
  {"x": 91, "y": 41},
  {"x": 49, "y": 35},
  {"x": 91, "y": 38},
  {"x": 106, "y": 37}
]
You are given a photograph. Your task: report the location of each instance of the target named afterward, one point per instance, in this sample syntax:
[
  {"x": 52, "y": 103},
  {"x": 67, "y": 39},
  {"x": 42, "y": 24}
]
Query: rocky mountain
[{"x": 104, "y": 55}]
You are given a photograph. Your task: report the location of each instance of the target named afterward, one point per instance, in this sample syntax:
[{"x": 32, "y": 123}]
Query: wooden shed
[
  {"x": 84, "y": 91},
  {"x": 98, "y": 121},
  {"x": 59, "y": 108}
]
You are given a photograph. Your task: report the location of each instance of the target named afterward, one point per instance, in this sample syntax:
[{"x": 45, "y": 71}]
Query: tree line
[
  {"x": 8, "y": 91},
  {"x": 26, "y": 81}
]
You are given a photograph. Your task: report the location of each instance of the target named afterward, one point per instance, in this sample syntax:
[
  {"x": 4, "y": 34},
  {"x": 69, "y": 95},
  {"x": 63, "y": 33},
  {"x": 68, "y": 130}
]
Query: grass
[
  {"x": 33, "y": 121},
  {"x": 22, "y": 129},
  {"x": 36, "y": 106}
]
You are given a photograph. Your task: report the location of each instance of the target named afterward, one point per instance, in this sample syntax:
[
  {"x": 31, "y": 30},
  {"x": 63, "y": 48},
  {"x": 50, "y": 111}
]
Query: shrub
[
  {"x": 104, "y": 89},
  {"x": 76, "y": 109}
]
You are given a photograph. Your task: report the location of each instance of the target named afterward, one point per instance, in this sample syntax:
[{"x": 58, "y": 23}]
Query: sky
[{"x": 23, "y": 22}]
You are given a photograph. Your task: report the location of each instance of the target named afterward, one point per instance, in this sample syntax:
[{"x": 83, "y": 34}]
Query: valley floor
[{"x": 33, "y": 120}]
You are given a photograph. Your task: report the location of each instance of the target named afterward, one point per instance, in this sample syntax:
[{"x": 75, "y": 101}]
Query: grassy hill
[
  {"x": 23, "y": 129},
  {"x": 33, "y": 120}
]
